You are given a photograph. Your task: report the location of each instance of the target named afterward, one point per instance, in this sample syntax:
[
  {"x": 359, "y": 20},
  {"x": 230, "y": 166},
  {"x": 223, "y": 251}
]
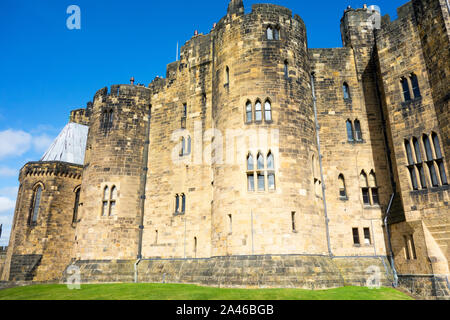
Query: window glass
[
  {"x": 258, "y": 111},
  {"x": 268, "y": 111}
]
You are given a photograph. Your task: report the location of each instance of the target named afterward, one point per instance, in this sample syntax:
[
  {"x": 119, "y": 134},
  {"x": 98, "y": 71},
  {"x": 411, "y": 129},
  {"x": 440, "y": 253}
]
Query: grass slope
[{"x": 191, "y": 292}]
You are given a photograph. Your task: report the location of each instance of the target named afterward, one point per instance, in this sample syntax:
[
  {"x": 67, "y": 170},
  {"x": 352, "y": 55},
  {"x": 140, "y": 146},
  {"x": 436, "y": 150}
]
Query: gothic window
[
  {"x": 413, "y": 247},
  {"x": 267, "y": 111},
  {"x": 36, "y": 203},
  {"x": 415, "y": 86},
  {"x": 227, "y": 76},
  {"x": 250, "y": 173},
  {"x": 286, "y": 69},
  {"x": 365, "y": 188},
  {"x": 182, "y": 147},
  {"x": 407, "y": 254},
  {"x": 269, "y": 33},
  {"x": 411, "y": 167},
  {"x": 342, "y": 188},
  {"x": 260, "y": 161},
  {"x": 258, "y": 111},
  {"x": 260, "y": 173},
  {"x": 183, "y": 203},
  {"x": 177, "y": 203},
  {"x": 105, "y": 201},
  {"x": 405, "y": 89},
  {"x": 184, "y": 110},
  {"x": 409, "y": 152},
  {"x": 109, "y": 201},
  {"x": 350, "y": 131},
  {"x": 248, "y": 112},
  {"x": 418, "y": 153},
  {"x": 76, "y": 205},
  {"x": 428, "y": 151},
  {"x": 358, "y": 133},
  {"x": 373, "y": 188},
  {"x": 195, "y": 247},
  {"x": 437, "y": 146},
  {"x": 270, "y": 171},
  {"x": 346, "y": 90}
]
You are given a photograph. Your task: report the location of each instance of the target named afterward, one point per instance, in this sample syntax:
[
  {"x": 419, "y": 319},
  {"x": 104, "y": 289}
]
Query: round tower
[
  {"x": 264, "y": 198},
  {"x": 111, "y": 195}
]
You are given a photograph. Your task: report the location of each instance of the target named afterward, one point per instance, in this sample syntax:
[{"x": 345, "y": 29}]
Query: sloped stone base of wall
[
  {"x": 269, "y": 271},
  {"x": 426, "y": 286},
  {"x": 23, "y": 266}
]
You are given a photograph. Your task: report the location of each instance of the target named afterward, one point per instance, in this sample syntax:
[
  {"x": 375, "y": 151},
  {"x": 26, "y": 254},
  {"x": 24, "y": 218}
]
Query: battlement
[
  {"x": 266, "y": 8},
  {"x": 123, "y": 90},
  {"x": 51, "y": 168}
]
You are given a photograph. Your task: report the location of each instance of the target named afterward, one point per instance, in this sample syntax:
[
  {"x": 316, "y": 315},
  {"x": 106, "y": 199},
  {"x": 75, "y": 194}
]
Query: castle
[{"x": 257, "y": 161}]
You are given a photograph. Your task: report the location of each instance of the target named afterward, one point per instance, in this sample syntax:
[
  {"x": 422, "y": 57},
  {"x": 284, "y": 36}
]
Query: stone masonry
[{"x": 260, "y": 162}]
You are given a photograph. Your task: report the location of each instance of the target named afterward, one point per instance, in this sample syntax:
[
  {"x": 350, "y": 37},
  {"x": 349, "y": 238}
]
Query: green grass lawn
[{"x": 192, "y": 292}]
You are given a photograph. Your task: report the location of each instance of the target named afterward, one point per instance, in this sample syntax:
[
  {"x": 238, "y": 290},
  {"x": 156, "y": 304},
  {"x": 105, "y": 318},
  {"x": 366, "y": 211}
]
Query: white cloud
[
  {"x": 8, "y": 172},
  {"x": 9, "y": 192},
  {"x": 42, "y": 142},
  {"x": 6, "y": 204},
  {"x": 14, "y": 143}
]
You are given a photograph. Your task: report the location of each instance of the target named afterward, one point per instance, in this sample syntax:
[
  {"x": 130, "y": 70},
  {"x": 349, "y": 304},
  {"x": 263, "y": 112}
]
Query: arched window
[
  {"x": 276, "y": 34},
  {"x": 250, "y": 173},
  {"x": 189, "y": 145},
  {"x": 417, "y": 151},
  {"x": 177, "y": 203},
  {"x": 358, "y": 133},
  {"x": 36, "y": 204},
  {"x": 258, "y": 111},
  {"x": 183, "y": 203},
  {"x": 346, "y": 90},
  {"x": 409, "y": 152},
  {"x": 260, "y": 160},
  {"x": 105, "y": 201},
  {"x": 269, "y": 33},
  {"x": 342, "y": 188},
  {"x": 227, "y": 76},
  {"x": 419, "y": 166},
  {"x": 195, "y": 247},
  {"x": 112, "y": 202},
  {"x": 373, "y": 188},
  {"x": 248, "y": 112},
  {"x": 350, "y": 131},
  {"x": 76, "y": 205},
  {"x": 437, "y": 146},
  {"x": 267, "y": 111},
  {"x": 364, "y": 188},
  {"x": 286, "y": 69},
  {"x": 405, "y": 88},
  {"x": 428, "y": 151},
  {"x": 183, "y": 147},
  {"x": 415, "y": 86},
  {"x": 270, "y": 172}
]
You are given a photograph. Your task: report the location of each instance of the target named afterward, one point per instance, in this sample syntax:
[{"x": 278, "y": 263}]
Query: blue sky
[{"x": 48, "y": 70}]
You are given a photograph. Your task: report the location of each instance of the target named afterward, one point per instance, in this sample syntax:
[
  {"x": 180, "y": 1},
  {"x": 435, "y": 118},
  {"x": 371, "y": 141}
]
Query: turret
[{"x": 236, "y": 7}]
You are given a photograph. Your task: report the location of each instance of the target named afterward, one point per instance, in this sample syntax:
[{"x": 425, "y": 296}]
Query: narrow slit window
[
  {"x": 409, "y": 152},
  {"x": 441, "y": 167},
  {"x": 36, "y": 204},
  {"x": 112, "y": 202},
  {"x": 428, "y": 151},
  {"x": 227, "y": 76},
  {"x": 423, "y": 180},
  {"x": 76, "y": 205},
  {"x": 346, "y": 90},
  {"x": 268, "y": 111},
  {"x": 342, "y": 189},
  {"x": 417, "y": 150},
  {"x": 437, "y": 146},
  {"x": 415, "y": 86},
  {"x": 358, "y": 133},
  {"x": 230, "y": 223},
  {"x": 105, "y": 201},
  {"x": 405, "y": 88},
  {"x": 355, "y": 236},
  {"x": 413, "y": 247},
  {"x": 412, "y": 174},
  {"x": 367, "y": 239},
  {"x": 248, "y": 112},
  {"x": 293, "y": 222},
  {"x": 407, "y": 254},
  {"x": 349, "y": 131},
  {"x": 433, "y": 174},
  {"x": 286, "y": 70},
  {"x": 183, "y": 203},
  {"x": 177, "y": 203},
  {"x": 258, "y": 112},
  {"x": 269, "y": 33},
  {"x": 276, "y": 34}
]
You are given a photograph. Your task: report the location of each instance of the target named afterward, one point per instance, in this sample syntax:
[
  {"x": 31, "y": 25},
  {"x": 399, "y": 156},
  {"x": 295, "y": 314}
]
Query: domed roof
[{"x": 69, "y": 146}]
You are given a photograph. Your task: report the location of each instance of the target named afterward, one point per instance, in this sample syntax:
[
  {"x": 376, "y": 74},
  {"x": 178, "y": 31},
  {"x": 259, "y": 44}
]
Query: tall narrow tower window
[
  {"x": 269, "y": 33},
  {"x": 267, "y": 111},
  {"x": 112, "y": 202},
  {"x": 358, "y": 133},
  {"x": 342, "y": 188},
  {"x": 346, "y": 90},
  {"x": 258, "y": 111},
  {"x": 248, "y": 112},
  {"x": 36, "y": 204},
  {"x": 105, "y": 201},
  {"x": 276, "y": 34},
  {"x": 405, "y": 88},
  {"x": 415, "y": 86},
  {"x": 227, "y": 76},
  {"x": 286, "y": 69},
  {"x": 75, "y": 206},
  {"x": 350, "y": 136}
]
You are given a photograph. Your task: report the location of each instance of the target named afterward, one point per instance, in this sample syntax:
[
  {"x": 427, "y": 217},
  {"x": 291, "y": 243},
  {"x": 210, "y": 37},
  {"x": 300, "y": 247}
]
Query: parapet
[
  {"x": 124, "y": 90},
  {"x": 51, "y": 168},
  {"x": 81, "y": 116},
  {"x": 266, "y": 8}
]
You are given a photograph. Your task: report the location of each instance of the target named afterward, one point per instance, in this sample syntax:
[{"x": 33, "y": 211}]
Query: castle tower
[
  {"x": 112, "y": 189},
  {"x": 236, "y": 7},
  {"x": 263, "y": 110}
]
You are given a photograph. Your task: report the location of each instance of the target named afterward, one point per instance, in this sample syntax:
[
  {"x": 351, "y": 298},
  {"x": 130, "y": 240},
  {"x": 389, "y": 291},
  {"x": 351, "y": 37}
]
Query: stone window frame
[
  {"x": 76, "y": 205},
  {"x": 346, "y": 91},
  {"x": 276, "y": 32},
  {"x": 263, "y": 111},
  {"x": 227, "y": 77},
  {"x": 256, "y": 171},
  {"x": 180, "y": 204},
  {"x": 410, "y": 88},
  {"x": 34, "y": 212},
  {"x": 343, "y": 195},
  {"x": 109, "y": 200},
  {"x": 286, "y": 69},
  {"x": 185, "y": 146},
  {"x": 369, "y": 189},
  {"x": 316, "y": 177},
  {"x": 352, "y": 129},
  {"x": 107, "y": 119},
  {"x": 409, "y": 247}
]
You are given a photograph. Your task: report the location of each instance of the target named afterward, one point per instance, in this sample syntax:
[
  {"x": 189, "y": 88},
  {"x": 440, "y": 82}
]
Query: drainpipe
[
  {"x": 386, "y": 225},
  {"x": 320, "y": 164},
  {"x": 143, "y": 187}
]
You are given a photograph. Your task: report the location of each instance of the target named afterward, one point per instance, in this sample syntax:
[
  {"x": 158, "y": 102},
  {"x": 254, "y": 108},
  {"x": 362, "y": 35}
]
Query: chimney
[{"x": 132, "y": 81}]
